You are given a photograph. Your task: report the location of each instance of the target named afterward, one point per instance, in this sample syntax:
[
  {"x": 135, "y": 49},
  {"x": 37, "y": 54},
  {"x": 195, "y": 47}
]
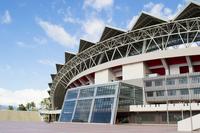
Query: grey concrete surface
[{"x": 41, "y": 127}]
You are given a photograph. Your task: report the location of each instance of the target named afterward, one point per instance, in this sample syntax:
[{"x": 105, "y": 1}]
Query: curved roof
[
  {"x": 69, "y": 56},
  {"x": 84, "y": 45},
  {"x": 192, "y": 9},
  {"x": 58, "y": 67},
  {"x": 109, "y": 32},
  {"x": 145, "y": 19}
]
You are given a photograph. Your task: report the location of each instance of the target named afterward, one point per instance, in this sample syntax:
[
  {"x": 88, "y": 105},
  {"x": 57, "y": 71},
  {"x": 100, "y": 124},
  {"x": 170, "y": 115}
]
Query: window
[
  {"x": 196, "y": 90},
  {"x": 148, "y": 83},
  {"x": 159, "y": 93},
  {"x": 196, "y": 79},
  {"x": 183, "y": 80},
  {"x": 158, "y": 82},
  {"x": 102, "y": 110},
  {"x": 67, "y": 111},
  {"x": 171, "y": 92},
  {"x": 170, "y": 82},
  {"x": 106, "y": 90},
  {"x": 88, "y": 92},
  {"x": 82, "y": 110},
  {"x": 184, "y": 91},
  {"x": 72, "y": 94},
  {"x": 150, "y": 94}
]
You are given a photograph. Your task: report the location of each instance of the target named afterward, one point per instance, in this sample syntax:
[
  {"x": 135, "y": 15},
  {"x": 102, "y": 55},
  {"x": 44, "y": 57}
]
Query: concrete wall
[
  {"x": 104, "y": 76},
  {"x": 19, "y": 116},
  {"x": 174, "y": 69},
  {"x": 133, "y": 71},
  {"x": 185, "y": 125}
]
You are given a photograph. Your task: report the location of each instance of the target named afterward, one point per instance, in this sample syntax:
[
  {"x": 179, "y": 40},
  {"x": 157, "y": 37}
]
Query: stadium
[{"x": 148, "y": 74}]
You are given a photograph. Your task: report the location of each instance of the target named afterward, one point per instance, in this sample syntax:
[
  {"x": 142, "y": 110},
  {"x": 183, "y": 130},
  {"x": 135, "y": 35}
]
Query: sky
[{"x": 34, "y": 34}]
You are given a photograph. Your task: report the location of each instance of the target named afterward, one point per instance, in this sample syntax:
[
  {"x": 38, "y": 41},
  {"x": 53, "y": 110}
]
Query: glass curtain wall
[{"x": 98, "y": 103}]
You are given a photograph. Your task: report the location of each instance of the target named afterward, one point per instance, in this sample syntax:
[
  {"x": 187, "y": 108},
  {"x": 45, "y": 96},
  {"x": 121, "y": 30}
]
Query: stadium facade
[{"x": 149, "y": 74}]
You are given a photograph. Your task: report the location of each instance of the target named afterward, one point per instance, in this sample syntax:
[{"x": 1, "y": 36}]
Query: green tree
[
  {"x": 21, "y": 107},
  {"x": 45, "y": 103},
  {"x": 30, "y": 106},
  {"x": 10, "y": 107}
]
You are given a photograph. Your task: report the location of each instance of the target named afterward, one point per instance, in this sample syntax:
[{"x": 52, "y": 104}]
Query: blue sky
[{"x": 34, "y": 34}]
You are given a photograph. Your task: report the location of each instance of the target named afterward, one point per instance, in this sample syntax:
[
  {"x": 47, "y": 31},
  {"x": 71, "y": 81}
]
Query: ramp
[{"x": 189, "y": 124}]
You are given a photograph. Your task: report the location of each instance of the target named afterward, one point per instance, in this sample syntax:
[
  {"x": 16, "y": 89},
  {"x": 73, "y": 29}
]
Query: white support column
[
  {"x": 144, "y": 46},
  {"x": 165, "y": 66},
  {"x": 189, "y": 64}
]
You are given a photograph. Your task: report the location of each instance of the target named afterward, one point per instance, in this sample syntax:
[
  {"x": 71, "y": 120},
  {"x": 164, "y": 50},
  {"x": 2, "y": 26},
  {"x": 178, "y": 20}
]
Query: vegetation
[
  {"x": 45, "y": 103},
  {"x": 10, "y": 107},
  {"x": 21, "y": 107},
  {"x": 30, "y": 106}
]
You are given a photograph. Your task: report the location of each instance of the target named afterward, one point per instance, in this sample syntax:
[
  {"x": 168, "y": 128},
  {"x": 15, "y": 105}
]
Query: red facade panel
[
  {"x": 154, "y": 63},
  {"x": 184, "y": 69},
  {"x": 176, "y": 60},
  {"x": 160, "y": 71}
]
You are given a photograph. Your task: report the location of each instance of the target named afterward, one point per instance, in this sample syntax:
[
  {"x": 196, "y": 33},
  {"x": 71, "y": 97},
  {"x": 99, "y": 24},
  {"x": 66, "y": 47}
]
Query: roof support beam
[
  {"x": 81, "y": 81},
  {"x": 165, "y": 66},
  {"x": 189, "y": 64},
  {"x": 91, "y": 80}
]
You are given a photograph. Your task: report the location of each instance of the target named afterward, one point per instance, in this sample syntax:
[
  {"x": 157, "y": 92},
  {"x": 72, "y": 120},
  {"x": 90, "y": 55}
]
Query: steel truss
[{"x": 157, "y": 37}]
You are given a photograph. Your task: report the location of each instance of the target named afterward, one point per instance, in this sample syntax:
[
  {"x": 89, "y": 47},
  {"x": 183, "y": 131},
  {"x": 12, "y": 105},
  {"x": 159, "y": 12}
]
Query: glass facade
[
  {"x": 82, "y": 110},
  {"x": 98, "y": 103},
  {"x": 102, "y": 110},
  {"x": 67, "y": 111}
]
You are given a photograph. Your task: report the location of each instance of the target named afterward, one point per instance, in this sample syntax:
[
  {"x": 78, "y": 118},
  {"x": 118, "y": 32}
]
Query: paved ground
[{"x": 41, "y": 127}]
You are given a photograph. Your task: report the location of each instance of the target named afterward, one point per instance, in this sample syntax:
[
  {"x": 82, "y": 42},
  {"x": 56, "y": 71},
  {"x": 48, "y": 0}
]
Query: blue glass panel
[
  {"x": 88, "y": 92},
  {"x": 106, "y": 90},
  {"x": 102, "y": 110},
  {"x": 82, "y": 110},
  {"x": 67, "y": 111},
  {"x": 72, "y": 94}
]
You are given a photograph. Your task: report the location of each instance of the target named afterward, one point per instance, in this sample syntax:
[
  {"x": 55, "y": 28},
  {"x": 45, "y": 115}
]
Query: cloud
[
  {"x": 160, "y": 10},
  {"x": 157, "y": 9},
  {"x": 92, "y": 29},
  {"x": 47, "y": 62},
  {"x": 69, "y": 19},
  {"x": 16, "y": 97},
  {"x": 40, "y": 40},
  {"x": 57, "y": 33},
  {"x": 98, "y": 4},
  {"x": 6, "y": 18}
]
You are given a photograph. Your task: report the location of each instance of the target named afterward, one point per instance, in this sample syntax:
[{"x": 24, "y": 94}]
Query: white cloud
[
  {"x": 57, "y": 33},
  {"x": 40, "y": 40},
  {"x": 10, "y": 97},
  {"x": 69, "y": 19},
  {"x": 47, "y": 62},
  {"x": 98, "y": 4},
  {"x": 6, "y": 18},
  {"x": 158, "y": 9},
  {"x": 93, "y": 29}
]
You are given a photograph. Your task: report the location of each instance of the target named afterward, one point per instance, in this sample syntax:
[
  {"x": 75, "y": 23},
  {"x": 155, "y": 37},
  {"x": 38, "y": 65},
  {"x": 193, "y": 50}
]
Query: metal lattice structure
[{"x": 157, "y": 37}]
